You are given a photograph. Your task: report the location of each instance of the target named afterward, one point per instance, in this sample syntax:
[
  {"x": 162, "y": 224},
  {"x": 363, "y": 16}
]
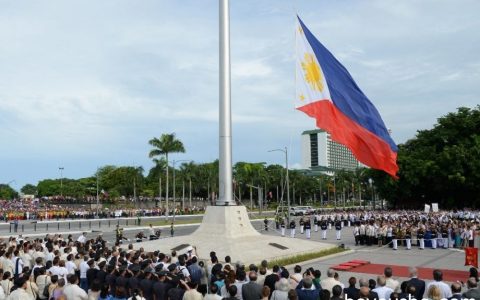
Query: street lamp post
[
  {"x": 97, "y": 194},
  {"x": 287, "y": 179},
  {"x": 370, "y": 181},
  {"x": 61, "y": 180},
  {"x": 360, "y": 196},
  {"x": 174, "y": 186},
  {"x": 321, "y": 193},
  {"x": 334, "y": 192}
]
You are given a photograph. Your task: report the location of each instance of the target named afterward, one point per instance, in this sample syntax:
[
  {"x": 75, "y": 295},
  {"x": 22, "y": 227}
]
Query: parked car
[{"x": 301, "y": 210}]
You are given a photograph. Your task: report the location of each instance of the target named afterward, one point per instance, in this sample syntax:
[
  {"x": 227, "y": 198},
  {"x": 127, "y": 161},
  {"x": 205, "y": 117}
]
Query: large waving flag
[{"x": 326, "y": 91}]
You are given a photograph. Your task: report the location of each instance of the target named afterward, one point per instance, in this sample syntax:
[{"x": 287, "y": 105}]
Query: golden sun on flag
[{"x": 313, "y": 75}]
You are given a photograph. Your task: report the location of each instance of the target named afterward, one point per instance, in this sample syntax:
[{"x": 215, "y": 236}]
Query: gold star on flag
[
  {"x": 300, "y": 29},
  {"x": 302, "y": 97}
]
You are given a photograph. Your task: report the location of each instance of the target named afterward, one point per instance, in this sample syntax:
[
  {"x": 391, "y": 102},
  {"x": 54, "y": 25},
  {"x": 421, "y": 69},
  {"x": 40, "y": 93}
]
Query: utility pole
[
  {"x": 61, "y": 180},
  {"x": 97, "y": 194},
  {"x": 288, "y": 181}
]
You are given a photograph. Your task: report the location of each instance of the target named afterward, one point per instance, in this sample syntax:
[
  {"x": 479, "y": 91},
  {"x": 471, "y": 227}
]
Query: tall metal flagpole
[{"x": 225, "y": 127}]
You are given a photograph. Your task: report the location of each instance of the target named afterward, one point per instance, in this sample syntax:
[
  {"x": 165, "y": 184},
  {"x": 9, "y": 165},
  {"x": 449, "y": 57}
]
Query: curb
[{"x": 311, "y": 261}]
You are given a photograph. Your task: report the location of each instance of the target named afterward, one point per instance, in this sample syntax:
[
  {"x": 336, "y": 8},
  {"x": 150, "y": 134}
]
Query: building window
[{"x": 313, "y": 150}]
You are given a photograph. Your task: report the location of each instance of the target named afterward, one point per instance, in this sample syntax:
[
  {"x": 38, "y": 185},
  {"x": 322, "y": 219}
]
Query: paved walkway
[{"x": 447, "y": 259}]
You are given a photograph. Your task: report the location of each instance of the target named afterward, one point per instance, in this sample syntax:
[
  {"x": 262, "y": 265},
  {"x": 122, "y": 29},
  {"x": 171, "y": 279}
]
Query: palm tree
[{"x": 164, "y": 145}]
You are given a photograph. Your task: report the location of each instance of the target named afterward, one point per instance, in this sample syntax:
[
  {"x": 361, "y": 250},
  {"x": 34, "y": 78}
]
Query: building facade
[{"x": 319, "y": 151}]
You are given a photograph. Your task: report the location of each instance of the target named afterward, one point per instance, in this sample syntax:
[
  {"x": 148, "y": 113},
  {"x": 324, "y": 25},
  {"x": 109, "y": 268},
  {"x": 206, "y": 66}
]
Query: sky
[{"x": 88, "y": 83}]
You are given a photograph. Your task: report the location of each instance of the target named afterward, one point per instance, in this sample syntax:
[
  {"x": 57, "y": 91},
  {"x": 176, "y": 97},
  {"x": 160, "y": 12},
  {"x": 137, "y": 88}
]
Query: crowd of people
[
  {"x": 86, "y": 268},
  {"x": 443, "y": 229},
  {"x": 35, "y": 209}
]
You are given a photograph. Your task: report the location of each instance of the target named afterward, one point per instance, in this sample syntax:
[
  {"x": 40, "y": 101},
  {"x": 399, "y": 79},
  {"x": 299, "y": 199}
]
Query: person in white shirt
[
  {"x": 6, "y": 283},
  {"x": 83, "y": 274},
  {"x": 330, "y": 282},
  {"x": 49, "y": 256},
  {"x": 38, "y": 264},
  {"x": 82, "y": 238},
  {"x": 445, "y": 291},
  {"x": 390, "y": 282},
  {"x": 295, "y": 277},
  {"x": 42, "y": 281},
  {"x": 62, "y": 271},
  {"x": 70, "y": 265},
  {"x": 239, "y": 282},
  {"x": 38, "y": 253},
  {"x": 20, "y": 292},
  {"x": 7, "y": 263},
  {"x": 73, "y": 291},
  {"x": 382, "y": 290},
  {"x": 212, "y": 293},
  {"x": 17, "y": 263},
  {"x": 27, "y": 259}
]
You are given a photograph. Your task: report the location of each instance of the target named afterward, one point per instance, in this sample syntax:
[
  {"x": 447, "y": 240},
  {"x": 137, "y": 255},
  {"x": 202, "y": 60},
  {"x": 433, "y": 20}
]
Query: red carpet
[{"x": 402, "y": 271}]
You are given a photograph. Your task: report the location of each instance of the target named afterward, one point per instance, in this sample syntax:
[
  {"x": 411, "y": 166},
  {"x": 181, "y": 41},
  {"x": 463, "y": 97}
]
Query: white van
[{"x": 301, "y": 210}]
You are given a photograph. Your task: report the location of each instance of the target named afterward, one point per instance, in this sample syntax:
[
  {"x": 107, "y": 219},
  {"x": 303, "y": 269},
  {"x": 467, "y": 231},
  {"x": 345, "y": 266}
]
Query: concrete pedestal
[{"x": 227, "y": 231}]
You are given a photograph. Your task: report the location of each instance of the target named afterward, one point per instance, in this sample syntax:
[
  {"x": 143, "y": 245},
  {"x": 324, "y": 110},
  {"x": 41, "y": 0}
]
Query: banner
[
  {"x": 435, "y": 207},
  {"x": 427, "y": 208},
  {"x": 471, "y": 257}
]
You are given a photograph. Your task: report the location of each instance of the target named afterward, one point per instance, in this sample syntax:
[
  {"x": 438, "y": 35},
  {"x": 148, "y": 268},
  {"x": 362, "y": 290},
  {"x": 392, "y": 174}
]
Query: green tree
[
  {"x": 29, "y": 189},
  {"x": 7, "y": 192},
  {"x": 167, "y": 143},
  {"x": 156, "y": 175},
  {"x": 276, "y": 179},
  {"x": 121, "y": 181},
  {"x": 439, "y": 165},
  {"x": 250, "y": 175}
]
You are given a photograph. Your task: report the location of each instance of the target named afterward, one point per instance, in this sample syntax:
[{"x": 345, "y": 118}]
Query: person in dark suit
[
  {"x": 337, "y": 293},
  {"x": 271, "y": 279},
  {"x": 252, "y": 290},
  {"x": 417, "y": 283},
  {"x": 473, "y": 292},
  {"x": 365, "y": 291},
  {"x": 351, "y": 291},
  {"x": 456, "y": 291}
]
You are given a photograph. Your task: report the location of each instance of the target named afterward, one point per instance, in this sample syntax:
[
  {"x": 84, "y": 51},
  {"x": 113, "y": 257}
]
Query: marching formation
[{"x": 444, "y": 229}]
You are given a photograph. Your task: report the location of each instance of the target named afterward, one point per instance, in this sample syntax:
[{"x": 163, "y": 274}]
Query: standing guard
[
  {"x": 323, "y": 227},
  {"x": 445, "y": 236},
  {"x": 420, "y": 237},
  {"x": 338, "y": 229},
  {"x": 356, "y": 234},
  {"x": 408, "y": 237},
  {"x": 434, "y": 237},
  {"x": 308, "y": 228},
  {"x": 395, "y": 234},
  {"x": 292, "y": 228}
]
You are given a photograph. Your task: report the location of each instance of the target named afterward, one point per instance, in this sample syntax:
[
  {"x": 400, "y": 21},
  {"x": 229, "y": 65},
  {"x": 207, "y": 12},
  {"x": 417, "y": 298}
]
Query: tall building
[{"x": 319, "y": 152}]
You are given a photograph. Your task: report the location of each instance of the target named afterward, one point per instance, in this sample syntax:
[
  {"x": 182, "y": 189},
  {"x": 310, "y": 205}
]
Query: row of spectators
[
  {"x": 89, "y": 269},
  {"x": 33, "y": 209}
]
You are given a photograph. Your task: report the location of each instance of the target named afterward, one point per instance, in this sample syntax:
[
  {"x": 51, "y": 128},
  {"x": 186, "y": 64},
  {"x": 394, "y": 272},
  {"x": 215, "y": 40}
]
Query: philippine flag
[{"x": 326, "y": 91}]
